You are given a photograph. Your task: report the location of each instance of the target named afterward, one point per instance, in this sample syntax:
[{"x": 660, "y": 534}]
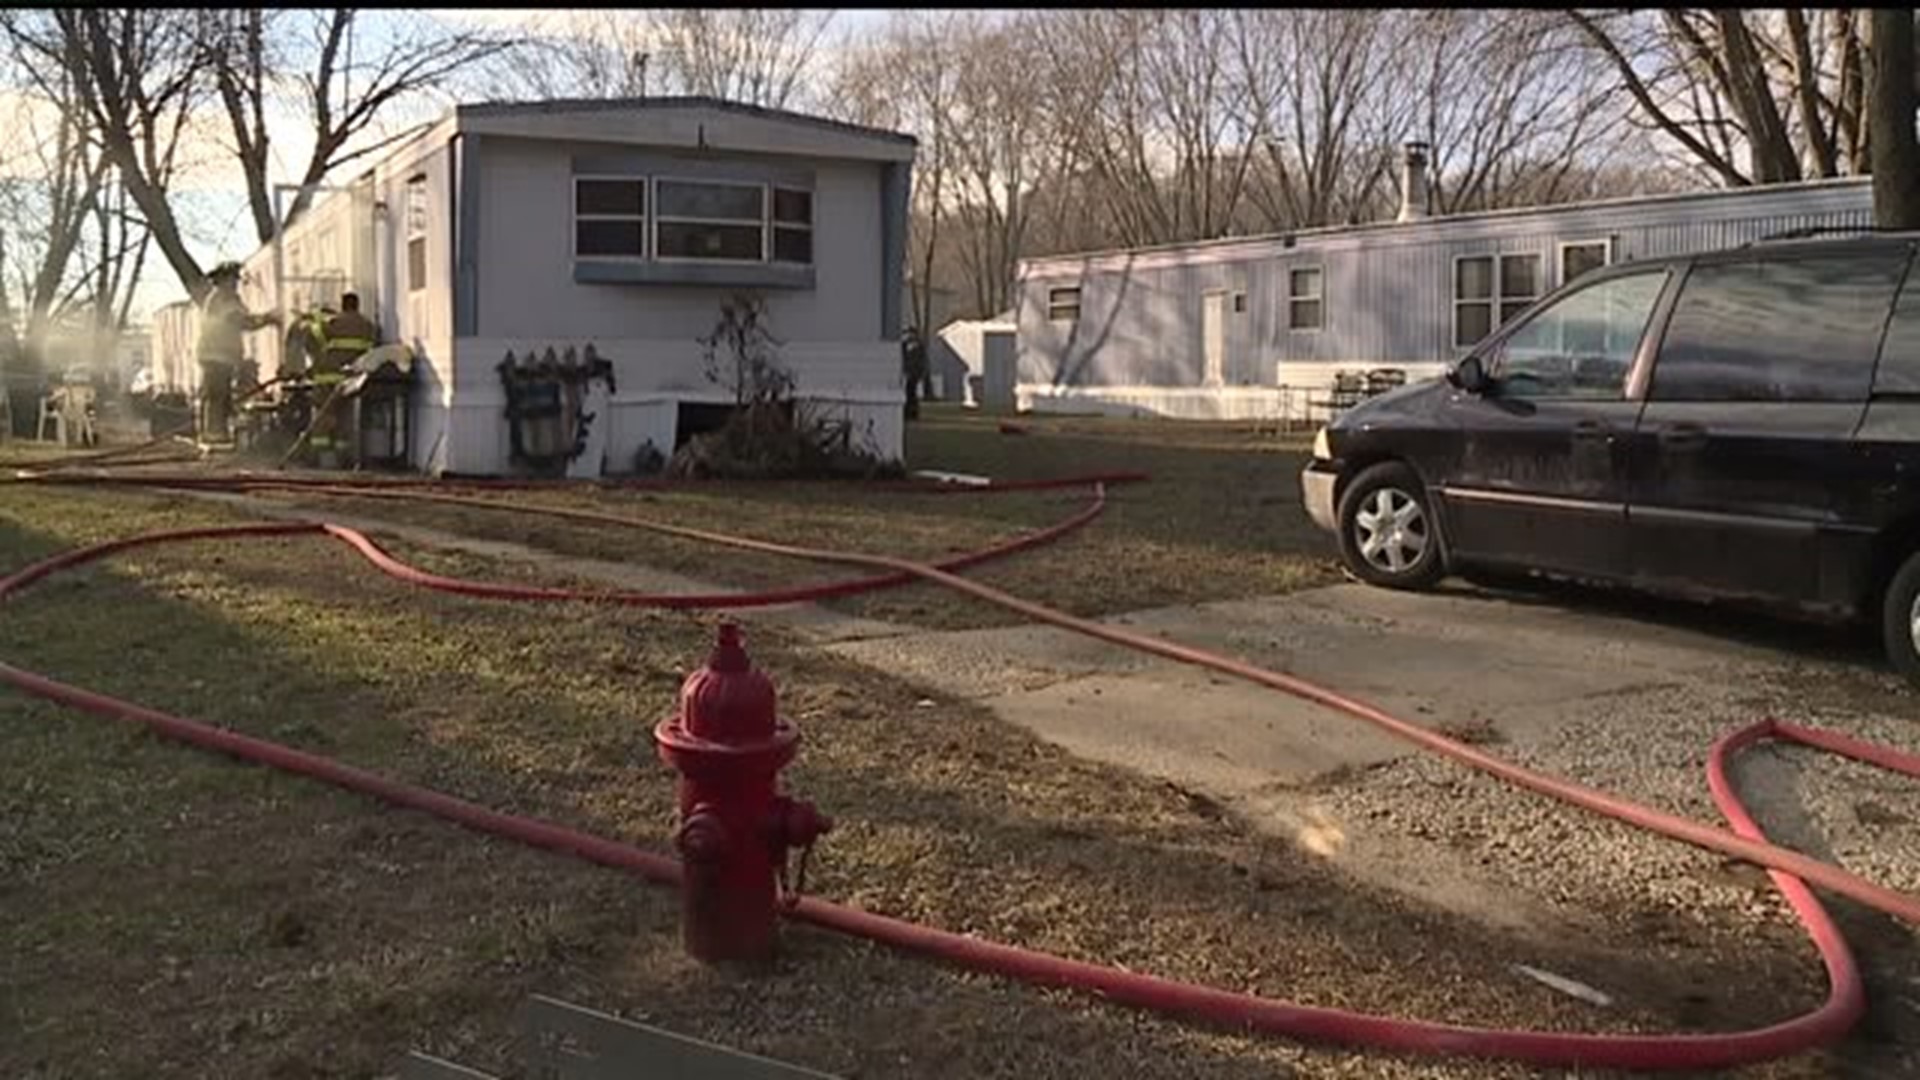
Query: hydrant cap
[
  {"x": 727, "y": 701},
  {"x": 728, "y": 652}
]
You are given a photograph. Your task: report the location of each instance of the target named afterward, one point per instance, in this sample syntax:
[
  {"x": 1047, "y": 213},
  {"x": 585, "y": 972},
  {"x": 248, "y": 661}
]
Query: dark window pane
[
  {"x": 416, "y": 207},
  {"x": 1581, "y": 259},
  {"x": 1063, "y": 305},
  {"x": 733, "y": 202},
  {"x": 793, "y": 245},
  {"x": 1239, "y": 303},
  {"x": 1471, "y": 322},
  {"x": 1900, "y": 356},
  {"x": 416, "y": 263},
  {"x": 1511, "y": 311},
  {"x": 1303, "y": 315},
  {"x": 735, "y": 242},
  {"x": 610, "y": 197},
  {"x": 1473, "y": 279},
  {"x": 1519, "y": 276},
  {"x": 1777, "y": 330},
  {"x": 608, "y": 238},
  {"x": 1306, "y": 283},
  {"x": 793, "y": 206}
]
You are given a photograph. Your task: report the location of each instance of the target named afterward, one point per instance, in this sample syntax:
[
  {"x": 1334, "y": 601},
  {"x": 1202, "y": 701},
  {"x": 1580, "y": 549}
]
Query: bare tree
[
  {"x": 1002, "y": 151},
  {"x": 313, "y": 61},
  {"x": 760, "y": 56},
  {"x": 576, "y": 53},
  {"x": 135, "y": 76},
  {"x": 906, "y": 79},
  {"x": 1513, "y": 125},
  {"x": 1317, "y": 97},
  {"x": 1896, "y": 158},
  {"x": 74, "y": 249},
  {"x": 47, "y": 204},
  {"x": 1151, "y": 107},
  {"x": 1750, "y": 96}
]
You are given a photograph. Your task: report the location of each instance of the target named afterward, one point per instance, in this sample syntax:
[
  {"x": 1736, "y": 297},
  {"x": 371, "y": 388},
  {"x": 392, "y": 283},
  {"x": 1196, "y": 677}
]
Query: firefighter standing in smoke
[{"x": 223, "y": 319}]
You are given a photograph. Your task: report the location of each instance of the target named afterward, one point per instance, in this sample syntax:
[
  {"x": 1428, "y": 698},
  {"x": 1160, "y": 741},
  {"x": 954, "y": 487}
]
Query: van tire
[
  {"x": 1896, "y": 620},
  {"x": 1410, "y": 552}
]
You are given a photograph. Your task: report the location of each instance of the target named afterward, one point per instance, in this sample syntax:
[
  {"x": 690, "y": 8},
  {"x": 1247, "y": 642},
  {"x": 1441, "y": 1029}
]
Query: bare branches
[
  {"x": 1643, "y": 95},
  {"x": 1315, "y": 106},
  {"x": 761, "y": 56},
  {"x": 317, "y": 65},
  {"x": 756, "y": 55},
  {"x": 1781, "y": 88},
  {"x": 116, "y": 96}
]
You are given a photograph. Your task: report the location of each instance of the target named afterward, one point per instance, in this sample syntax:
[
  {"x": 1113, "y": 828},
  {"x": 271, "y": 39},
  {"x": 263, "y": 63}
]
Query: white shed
[
  {"x": 967, "y": 341},
  {"x": 623, "y": 224}
]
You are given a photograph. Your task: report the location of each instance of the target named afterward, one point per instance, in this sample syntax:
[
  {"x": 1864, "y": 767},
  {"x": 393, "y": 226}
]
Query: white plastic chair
[
  {"x": 67, "y": 408},
  {"x": 76, "y": 419},
  {"x": 51, "y": 413}
]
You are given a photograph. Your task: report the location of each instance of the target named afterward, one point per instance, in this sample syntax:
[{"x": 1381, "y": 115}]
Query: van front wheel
[
  {"x": 1900, "y": 620},
  {"x": 1388, "y": 535}
]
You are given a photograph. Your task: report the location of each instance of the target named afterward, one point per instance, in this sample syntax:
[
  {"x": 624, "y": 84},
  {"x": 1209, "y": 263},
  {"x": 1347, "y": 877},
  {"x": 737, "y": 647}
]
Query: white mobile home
[
  {"x": 1259, "y": 327},
  {"x": 623, "y": 225}
]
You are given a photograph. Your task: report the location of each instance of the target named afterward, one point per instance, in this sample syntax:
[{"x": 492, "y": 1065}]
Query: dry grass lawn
[
  {"x": 1220, "y": 519},
  {"x": 175, "y": 914}
]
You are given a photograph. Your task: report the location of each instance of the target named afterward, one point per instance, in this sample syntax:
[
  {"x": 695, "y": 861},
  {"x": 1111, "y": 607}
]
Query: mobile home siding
[{"x": 1387, "y": 289}]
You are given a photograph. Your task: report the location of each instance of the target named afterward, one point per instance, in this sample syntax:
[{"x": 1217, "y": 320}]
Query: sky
[{"x": 211, "y": 198}]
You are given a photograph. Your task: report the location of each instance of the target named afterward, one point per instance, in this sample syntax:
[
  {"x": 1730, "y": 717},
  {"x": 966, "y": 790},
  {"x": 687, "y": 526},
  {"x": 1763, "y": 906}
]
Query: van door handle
[
  {"x": 1683, "y": 436},
  {"x": 1592, "y": 431}
]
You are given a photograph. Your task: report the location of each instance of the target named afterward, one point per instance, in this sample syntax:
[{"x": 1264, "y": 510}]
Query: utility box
[{"x": 380, "y": 399}]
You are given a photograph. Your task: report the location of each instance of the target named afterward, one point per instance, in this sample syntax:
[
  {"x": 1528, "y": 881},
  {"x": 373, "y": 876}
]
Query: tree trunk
[{"x": 1890, "y": 115}]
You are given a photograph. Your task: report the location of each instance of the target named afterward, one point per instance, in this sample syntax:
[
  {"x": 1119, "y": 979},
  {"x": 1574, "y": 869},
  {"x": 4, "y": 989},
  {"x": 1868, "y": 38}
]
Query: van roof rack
[{"x": 1808, "y": 231}]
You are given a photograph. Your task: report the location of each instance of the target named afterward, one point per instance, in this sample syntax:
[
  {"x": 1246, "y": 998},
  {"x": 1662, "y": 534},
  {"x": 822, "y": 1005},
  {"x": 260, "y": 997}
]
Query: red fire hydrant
[{"x": 729, "y": 746}]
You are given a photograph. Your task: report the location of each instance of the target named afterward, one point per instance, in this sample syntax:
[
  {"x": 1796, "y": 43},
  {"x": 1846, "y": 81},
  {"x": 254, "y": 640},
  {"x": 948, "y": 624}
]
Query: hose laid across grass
[{"x": 1791, "y": 870}]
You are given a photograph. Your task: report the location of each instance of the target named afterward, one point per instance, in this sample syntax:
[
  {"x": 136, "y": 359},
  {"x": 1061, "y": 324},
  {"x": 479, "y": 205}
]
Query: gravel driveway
[{"x": 1626, "y": 697}]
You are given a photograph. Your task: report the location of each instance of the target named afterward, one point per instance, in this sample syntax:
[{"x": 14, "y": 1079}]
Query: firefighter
[
  {"x": 306, "y": 343},
  {"x": 223, "y": 319},
  {"x": 913, "y": 365},
  {"x": 343, "y": 339},
  {"x": 349, "y": 334}
]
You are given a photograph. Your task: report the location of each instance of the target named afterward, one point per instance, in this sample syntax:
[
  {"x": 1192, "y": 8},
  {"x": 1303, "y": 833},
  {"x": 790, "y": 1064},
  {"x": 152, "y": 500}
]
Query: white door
[{"x": 1213, "y": 329}]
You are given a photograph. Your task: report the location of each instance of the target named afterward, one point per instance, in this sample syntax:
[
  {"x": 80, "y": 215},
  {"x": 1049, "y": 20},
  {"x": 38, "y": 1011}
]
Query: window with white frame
[
  {"x": 709, "y": 220},
  {"x": 1306, "y": 307},
  {"x": 1583, "y": 256},
  {"x": 792, "y": 225},
  {"x": 610, "y": 217},
  {"x": 416, "y": 233},
  {"x": 1488, "y": 290},
  {"x": 1063, "y": 305}
]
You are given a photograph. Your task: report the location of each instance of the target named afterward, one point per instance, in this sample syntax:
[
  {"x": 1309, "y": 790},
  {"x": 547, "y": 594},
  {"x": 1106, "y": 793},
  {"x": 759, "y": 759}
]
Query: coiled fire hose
[{"x": 1791, "y": 871}]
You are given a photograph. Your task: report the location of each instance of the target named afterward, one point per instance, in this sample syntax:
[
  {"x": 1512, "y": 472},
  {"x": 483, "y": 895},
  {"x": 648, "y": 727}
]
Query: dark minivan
[{"x": 1742, "y": 425}]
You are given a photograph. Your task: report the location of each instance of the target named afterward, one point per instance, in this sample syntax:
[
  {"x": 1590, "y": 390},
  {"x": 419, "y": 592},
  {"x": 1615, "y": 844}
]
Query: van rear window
[{"x": 1778, "y": 329}]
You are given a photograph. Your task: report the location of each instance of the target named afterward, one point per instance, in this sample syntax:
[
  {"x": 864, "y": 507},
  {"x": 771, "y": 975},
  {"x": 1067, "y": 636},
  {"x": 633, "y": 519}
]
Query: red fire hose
[{"x": 1790, "y": 870}]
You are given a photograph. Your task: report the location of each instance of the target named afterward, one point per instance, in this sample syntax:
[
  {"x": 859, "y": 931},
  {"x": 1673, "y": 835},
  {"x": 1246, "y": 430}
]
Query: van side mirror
[{"x": 1469, "y": 375}]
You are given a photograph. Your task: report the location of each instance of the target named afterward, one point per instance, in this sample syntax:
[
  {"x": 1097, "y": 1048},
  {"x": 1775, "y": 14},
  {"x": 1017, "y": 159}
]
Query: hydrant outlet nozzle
[
  {"x": 702, "y": 838},
  {"x": 802, "y": 823}
]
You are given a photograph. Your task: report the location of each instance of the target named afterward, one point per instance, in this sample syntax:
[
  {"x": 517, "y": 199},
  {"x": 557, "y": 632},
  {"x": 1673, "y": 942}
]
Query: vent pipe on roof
[{"x": 1414, "y": 194}]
